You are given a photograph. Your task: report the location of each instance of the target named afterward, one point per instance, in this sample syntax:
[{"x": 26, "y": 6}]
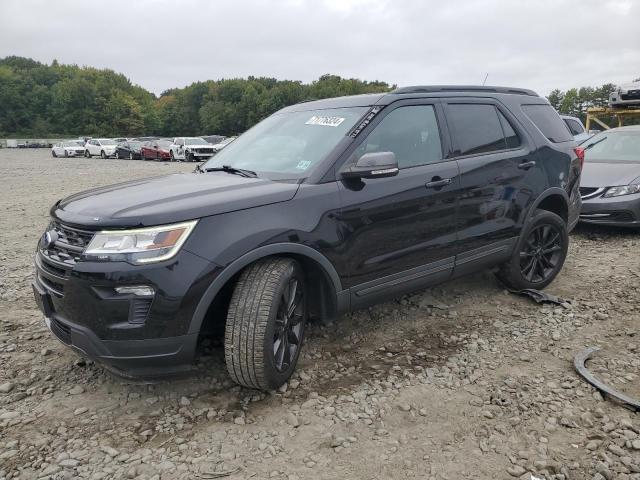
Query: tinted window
[
  {"x": 510, "y": 136},
  {"x": 411, "y": 133},
  {"x": 574, "y": 126},
  {"x": 476, "y": 128},
  {"x": 548, "y": 122}
]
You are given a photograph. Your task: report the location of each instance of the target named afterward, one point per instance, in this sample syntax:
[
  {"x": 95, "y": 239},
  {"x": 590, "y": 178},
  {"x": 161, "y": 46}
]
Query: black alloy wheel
[
  {"x": 541, "y": 253},
  {"x": 289, "y": 325}
]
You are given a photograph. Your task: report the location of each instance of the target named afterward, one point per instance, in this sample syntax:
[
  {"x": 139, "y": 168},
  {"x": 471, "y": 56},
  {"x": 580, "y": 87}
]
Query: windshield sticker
[
  {"x": 303, "y": 165},
  {"x": 325, "y": 121}
]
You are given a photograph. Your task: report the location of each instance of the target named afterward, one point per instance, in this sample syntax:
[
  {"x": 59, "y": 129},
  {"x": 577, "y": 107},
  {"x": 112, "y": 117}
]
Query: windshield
[
  {"x": 70, "y": 144},
  {"x": 621, "y": 147},
  {"x": 163, "y": 143},
  {"x": 134, "y": 144},
  {"x": 195, "y": 141},
  {"x": 288, "y": 145},
  {"x": 106, "y": 141}
]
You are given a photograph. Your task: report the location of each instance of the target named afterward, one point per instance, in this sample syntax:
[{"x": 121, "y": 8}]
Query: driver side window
[{"x": 410, "y": 132}]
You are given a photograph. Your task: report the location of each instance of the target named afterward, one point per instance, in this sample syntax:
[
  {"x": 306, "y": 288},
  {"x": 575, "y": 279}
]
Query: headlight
[
  {"x": 622, "y": 190},
  {"x": 143, "y": 245}
]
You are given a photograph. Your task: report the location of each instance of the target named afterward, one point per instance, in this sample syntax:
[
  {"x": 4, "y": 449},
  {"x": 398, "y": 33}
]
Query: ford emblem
[{"x": 49, "y": 239}]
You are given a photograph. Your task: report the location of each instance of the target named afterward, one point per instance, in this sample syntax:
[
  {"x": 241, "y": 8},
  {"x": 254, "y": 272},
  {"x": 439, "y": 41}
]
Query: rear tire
[
  {"x": 539, "y": 253},
  {"x": 53, "y": 154},
  {"x": 265, "y": 323},
  {"x": 103, "y": 155},
  {"x": 87, "y": 154}
]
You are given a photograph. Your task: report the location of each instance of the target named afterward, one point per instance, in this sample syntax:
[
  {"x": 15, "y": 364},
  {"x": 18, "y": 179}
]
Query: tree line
[{"x": 40, "y": 100}]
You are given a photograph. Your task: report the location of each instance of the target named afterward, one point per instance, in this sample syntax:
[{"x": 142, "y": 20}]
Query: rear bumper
[{"x": 616, "y": 211}]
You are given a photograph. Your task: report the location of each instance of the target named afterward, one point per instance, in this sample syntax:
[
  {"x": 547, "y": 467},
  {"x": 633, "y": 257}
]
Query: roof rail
[{"x": 463, "y": 88}]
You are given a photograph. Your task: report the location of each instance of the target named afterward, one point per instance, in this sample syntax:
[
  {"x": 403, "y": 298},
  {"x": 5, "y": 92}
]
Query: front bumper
[
  {"x": 623, "y": 211},
  {"x": 130, "y": 337}
]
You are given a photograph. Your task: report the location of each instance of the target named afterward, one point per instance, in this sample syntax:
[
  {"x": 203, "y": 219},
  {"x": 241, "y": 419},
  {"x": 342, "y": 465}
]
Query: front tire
[
  {"x": 103, "y": 155},
  {"x": 87, "y": 154},
  {"x": 117, "y": 155},
  {"x": 53, "y": 154},
  {"x": 265, "y": 323},
  {"x": 539, "y": 254}
]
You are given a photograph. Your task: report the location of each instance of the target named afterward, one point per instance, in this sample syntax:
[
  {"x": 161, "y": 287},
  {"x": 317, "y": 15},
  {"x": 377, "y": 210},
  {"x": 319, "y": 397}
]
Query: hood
[
  {"x": 169, "y": 199},
  {"x": 603, "y": 173}
]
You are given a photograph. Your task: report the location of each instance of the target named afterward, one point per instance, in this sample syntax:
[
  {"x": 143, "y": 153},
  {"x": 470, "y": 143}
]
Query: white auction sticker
[{"x": 325, "y": 121}]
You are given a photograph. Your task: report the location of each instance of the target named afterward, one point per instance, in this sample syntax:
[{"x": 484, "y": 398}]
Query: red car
[{"x": 156, "y": 150}]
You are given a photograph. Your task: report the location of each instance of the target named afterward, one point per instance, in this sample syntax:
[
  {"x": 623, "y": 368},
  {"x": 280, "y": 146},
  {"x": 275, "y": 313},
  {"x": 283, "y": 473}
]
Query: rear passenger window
[
  {"x": 548, "y": 122},
  {"x": 575, "y": 127},
  {"x": 510, "y": 136},
  {"x": 476, "y": 128}
]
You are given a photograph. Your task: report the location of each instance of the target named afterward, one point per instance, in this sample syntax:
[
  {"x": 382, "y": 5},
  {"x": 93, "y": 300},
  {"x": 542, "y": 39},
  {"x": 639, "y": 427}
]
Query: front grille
[
  {"x": 590, "y": 192},
  {"x": 204, "y": 150},
  {"x": 69, "y": 246},
  {"x": 631, "y": 95},
  {"x": 61, "y": 331},
  {"x": 54, "y": 287}
]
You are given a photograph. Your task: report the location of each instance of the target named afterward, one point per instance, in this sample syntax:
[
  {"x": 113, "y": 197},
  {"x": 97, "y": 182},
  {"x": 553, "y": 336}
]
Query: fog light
[{"x": 137, "y": 290}]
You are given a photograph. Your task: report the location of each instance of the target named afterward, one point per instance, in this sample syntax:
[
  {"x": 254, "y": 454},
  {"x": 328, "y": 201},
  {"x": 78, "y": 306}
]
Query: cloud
[{"x": 162, "y": 44}]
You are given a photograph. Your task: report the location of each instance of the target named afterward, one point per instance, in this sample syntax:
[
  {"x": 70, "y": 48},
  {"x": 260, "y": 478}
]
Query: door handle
[
  {"x": 527, "y": 165},
  {"x": 437, "y": 182}
]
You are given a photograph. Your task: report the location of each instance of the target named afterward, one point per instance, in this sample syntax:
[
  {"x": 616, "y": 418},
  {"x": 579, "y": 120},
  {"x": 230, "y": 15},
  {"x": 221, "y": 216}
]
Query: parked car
[
  {"x": 190, "y": 149},
  {"x": 610, "y": 186},
  {"x": 105, "y": 147},
  {"x": 626, "y": 96},
  {"x": 219, "y": 146},
  {"x": 156, "y": 150},
  {"x": 576, "y": 128},
  {"x": 67, "y": 149},
  {"x": 213, "y": 139},
  {"x": 322, "y": 208},
  {"x": 129, "y": 149}
]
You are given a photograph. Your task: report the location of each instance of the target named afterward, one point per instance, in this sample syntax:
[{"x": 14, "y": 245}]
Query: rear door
[
  {"x": 494, "y": 154},
  {"x": 399, "y": 232}
]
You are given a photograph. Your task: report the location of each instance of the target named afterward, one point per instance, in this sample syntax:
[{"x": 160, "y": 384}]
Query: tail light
[{"x": 580, "y": 154}]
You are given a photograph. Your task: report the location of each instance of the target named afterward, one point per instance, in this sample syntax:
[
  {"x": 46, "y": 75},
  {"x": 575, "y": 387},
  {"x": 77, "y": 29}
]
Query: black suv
[{"x": 322, "y": 208}]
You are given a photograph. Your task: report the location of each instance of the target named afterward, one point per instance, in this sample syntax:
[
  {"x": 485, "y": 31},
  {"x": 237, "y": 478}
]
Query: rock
[
  {"x": 516, "y": 471},
  {"x": 9, "y": 415},
  {"x": 77, "y": 390},
  {"x": 292, "y": 420},
  {"x": 616, "y": 450},
  {"x": 80, "y": 411},
  {"x": 487, "y": 414},
  {"x": 405, "y": 407},
  {"x": 6, "y": 387},
  {"x": 635, "y": 444},
  {"x": 112, "y": 452},
  {"x": 184, "y": 402}
]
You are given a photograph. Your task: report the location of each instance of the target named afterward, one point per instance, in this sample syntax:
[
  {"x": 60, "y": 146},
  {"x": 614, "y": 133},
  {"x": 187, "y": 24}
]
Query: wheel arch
[
  {"x": 553, "y": 200},
  {"x": 327, "y": 300}
]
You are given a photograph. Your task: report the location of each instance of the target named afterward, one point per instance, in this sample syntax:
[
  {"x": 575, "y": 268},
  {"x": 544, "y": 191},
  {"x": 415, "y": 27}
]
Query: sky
[{"x": 161, "y": 44}]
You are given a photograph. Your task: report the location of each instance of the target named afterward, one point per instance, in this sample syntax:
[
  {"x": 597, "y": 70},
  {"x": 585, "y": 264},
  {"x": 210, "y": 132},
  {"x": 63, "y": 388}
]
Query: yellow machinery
[{"x": 596, "y": 114}]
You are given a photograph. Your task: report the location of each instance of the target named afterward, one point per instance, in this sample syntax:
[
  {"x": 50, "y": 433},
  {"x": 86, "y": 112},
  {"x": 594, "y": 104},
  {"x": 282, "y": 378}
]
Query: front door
[{"x": 399, "y": 232}]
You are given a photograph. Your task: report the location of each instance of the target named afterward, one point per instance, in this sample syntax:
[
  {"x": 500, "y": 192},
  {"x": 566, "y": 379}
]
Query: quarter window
[
  {"x": 574, "y": 126},
  {"x": 548, "y": 122},
  {"x": 476, "y": 128},
  {"x": 411, "y": 133}
]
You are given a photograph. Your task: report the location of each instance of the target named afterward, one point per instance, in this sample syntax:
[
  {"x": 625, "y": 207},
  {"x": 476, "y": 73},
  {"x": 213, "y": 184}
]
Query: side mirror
[{"x": 373, "y": 165}]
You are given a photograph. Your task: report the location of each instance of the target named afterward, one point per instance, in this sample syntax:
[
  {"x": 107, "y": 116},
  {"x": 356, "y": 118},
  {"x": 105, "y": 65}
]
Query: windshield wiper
[
  {"x": 235, "y": 171},
  {"x": 595, "y": 143}
]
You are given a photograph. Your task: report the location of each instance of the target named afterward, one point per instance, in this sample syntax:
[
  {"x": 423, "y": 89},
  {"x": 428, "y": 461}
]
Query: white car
[
  {"x": 67, "y": 149},
  {"x": 626, "y": 96},
  {"x": 190, "y": 149},
  {"x": 219, "y": 146},
  {"x": 105, "y": 147}
]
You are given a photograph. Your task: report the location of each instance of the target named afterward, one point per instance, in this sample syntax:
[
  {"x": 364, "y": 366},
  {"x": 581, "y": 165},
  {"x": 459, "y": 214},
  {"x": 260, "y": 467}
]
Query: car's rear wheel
[
  {"x": 53, "y": 154},
  {"x": 103, "y": 155},
  {"x": 265, "y": 323},
  {"x": 87, "y": 154},
  {"x": 539, "y": 254}
]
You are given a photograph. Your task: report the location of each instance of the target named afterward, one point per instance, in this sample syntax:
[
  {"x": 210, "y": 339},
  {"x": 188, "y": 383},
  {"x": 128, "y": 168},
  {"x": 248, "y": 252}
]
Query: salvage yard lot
[{"x": 463, "y": 381}]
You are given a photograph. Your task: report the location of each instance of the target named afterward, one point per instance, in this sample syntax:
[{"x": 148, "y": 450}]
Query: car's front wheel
[
  {"x": 539, "y": 254},
  {"x": 87, "y": 154},
  {"x": 103, "y": 155},
  {"x": 265, "y": 323}
]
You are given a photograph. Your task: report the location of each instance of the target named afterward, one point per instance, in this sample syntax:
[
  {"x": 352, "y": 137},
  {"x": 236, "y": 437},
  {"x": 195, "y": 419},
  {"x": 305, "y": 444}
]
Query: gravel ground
[{"x": 463, "y": 381}]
